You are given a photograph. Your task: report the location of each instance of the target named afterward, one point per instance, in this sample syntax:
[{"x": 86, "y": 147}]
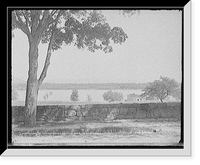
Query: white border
[
  {"x": 135, "y": 152},
  {"x": 187, "y": 78}
]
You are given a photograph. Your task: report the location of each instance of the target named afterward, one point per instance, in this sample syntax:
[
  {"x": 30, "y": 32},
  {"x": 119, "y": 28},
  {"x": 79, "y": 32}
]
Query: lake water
[{"x": 64, "y": 95}]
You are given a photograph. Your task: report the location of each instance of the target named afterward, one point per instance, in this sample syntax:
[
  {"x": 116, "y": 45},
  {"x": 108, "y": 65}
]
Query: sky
[{"x": 153, "y": 49}]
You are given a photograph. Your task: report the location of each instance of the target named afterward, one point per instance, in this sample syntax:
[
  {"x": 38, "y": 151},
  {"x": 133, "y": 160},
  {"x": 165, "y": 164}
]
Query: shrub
[{"x": 112, "y": 96}]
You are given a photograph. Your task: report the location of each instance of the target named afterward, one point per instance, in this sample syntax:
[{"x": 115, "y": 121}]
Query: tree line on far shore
[{"x": 156, "y": 90}]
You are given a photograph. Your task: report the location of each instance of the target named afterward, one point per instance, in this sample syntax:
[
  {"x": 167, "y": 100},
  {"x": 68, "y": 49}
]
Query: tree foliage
[
  {"x": 162, "y": 88},
  {"x": 83, "y": 28},
  {"x": 74, "y": 96},
  {"x": 129, "y": 13},
  {"x": 112, "y": 96}
]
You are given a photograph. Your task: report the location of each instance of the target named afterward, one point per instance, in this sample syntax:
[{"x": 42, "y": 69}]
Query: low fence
[{"x": 106, "y": 112}]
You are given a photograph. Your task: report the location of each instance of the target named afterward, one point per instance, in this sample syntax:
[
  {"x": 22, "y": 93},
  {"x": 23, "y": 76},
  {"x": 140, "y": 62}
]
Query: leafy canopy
[
  {"x": 83, "y": 28},
  {"x": 162, "y": 88}
]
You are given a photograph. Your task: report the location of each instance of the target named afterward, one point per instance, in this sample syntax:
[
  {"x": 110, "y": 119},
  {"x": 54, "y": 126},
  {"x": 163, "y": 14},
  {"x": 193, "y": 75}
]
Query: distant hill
[
  {"x": 21, "y": 85},
  {"x": 99, "y": 86}
]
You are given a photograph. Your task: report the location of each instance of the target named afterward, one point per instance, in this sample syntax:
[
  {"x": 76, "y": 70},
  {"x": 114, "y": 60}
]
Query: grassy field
[{"x": 149, "y": 132}]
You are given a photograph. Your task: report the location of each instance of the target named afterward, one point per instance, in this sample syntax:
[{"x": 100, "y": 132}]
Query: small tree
[
  {"x": 89, "y": 99},
  {"x": 74, "y": 96},
  {"x": 46, "y": 96},
  {"x": 112, "y": 96},
  {"x": 162, "y": 88}
]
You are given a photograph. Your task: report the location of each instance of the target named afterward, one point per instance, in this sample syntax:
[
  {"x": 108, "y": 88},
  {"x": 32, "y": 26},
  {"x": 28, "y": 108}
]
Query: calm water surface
[{"x": 64, "y": 95}]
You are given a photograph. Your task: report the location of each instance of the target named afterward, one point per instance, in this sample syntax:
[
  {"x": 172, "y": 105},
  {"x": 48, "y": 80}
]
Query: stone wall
[{"x": 105, "y": 112}]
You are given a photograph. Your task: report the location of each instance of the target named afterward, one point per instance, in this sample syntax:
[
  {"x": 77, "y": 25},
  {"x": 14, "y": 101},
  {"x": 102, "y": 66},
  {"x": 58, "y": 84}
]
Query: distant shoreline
[{"x": 84, "y": 86}]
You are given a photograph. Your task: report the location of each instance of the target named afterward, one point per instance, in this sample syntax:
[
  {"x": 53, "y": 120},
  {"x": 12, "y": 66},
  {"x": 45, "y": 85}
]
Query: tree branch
[
  {"x": 44, "y": 18},
  {"x": 26, "y": 17},
  {"x": 35, "y": 17},
  {"x": 45, "y": 21},
  {"x": 47, "y": 60},
  {"x": 57, "y": 17},
  {"x": 28, "y": 22},
  {"x": 53, "y": 12},
  {"x": 21, "y": 24}
]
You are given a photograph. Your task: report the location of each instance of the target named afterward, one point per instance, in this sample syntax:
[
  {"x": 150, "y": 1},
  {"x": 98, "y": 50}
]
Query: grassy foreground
[{"x": 119, "y": 132}]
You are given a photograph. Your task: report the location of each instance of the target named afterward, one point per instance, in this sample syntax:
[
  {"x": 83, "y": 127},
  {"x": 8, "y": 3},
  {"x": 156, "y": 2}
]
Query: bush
[{"x": 112, "y": 96}]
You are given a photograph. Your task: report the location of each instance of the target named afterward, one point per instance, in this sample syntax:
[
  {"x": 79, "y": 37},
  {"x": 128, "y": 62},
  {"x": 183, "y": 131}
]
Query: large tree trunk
[
  {"x": 32, "y": 85},
  {"x": 31, "y": 103}
]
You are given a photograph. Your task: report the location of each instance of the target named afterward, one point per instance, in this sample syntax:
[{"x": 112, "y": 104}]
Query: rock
[
  {"x": 111, "y": 117},
  {"x": 84, "y": 113},
  {"x": 79, "y": 113},
  {"x": 75, "y": 107},
  {"x": 72, "y": 113},
  {"x": 157, "y": 130}
]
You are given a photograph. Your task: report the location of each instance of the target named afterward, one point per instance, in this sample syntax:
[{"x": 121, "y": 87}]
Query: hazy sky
[{"x": 153, "y": 49}]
